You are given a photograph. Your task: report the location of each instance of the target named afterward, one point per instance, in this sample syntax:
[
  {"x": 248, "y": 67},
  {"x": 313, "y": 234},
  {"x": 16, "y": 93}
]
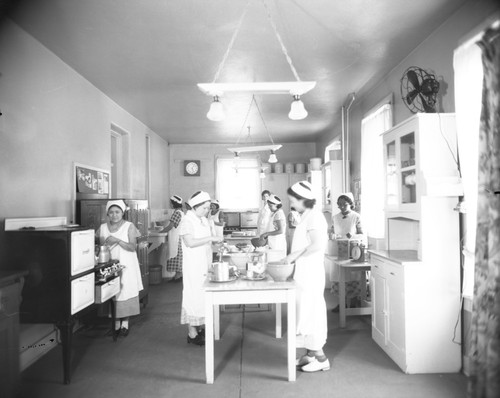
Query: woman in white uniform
[
  {"x": 264, "y": 213},
  {"x": 174, "y": 261},
  {"x": 308, "y": 248},
  {"x": 276, "y": 228},
  {"x": 197, "y": 257},
  {"x": 121, "y": 237},
  {"x": 347, "y": 225},
  {"x": 216, "y": 218}
]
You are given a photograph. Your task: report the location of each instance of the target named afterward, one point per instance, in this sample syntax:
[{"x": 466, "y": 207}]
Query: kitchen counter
[{"x": 398, "y": 256}]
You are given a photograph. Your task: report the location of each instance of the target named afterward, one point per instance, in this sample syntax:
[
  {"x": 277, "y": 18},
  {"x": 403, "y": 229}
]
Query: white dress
[
  {"x": 263, "y": 221},
  {"x": 196, "y": 261},
  {"x": 277, "y": 242},
  {"x": 218, "y": 230},
  {"x": 131, "y": 280},
  {"x": 309, "y": 276}
]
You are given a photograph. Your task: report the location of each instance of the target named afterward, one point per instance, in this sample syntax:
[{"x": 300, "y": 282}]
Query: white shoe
[
  {"x": 316, "y": 366},
  {"x": 304, "y": 360}
]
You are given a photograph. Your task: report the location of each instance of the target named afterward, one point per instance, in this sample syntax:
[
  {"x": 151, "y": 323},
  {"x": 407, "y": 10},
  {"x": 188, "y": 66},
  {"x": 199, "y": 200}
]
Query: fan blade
[
  {"x": 413, "y": 79},
  {"x": 411, "y": 96}
]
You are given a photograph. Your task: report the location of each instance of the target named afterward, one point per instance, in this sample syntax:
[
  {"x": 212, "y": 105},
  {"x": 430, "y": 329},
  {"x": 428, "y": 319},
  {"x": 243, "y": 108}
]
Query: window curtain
[
  {"x": 468, "y": 68},
  {"x": 485, "y": 373},
  {"x": 372, "y": 170}
]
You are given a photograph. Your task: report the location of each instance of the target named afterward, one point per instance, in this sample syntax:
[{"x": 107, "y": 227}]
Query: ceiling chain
[{"x": 233, "y": 38}]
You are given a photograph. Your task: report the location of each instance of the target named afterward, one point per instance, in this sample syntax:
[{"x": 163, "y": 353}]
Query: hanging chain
[
  {"x": 283, "y": 48},
  {"x": 263, "y": 122},
  {"x": 233, "y": 38},
  {"x": 221, "y": 65},
  {"x": 246, "y": 117},
  {"x": 245, "y": 121}
]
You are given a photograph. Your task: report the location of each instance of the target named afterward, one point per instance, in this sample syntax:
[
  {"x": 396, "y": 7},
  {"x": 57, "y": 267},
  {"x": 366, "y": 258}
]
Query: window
[
  {"x": 468, "y": 70},
  {"x": 372, "y": 168},
  {"x": 334, "y": 146},
  {"x": 238, "y": 183}
]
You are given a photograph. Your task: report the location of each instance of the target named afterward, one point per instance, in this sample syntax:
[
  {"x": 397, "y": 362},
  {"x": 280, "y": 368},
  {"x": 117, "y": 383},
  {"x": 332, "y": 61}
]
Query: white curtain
[
  {"x": 372, "y": 170},
  {"x": 468, "y": 69}
]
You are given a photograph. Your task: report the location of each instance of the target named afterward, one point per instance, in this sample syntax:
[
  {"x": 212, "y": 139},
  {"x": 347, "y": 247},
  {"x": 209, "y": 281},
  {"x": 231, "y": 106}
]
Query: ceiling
[{"x": 148, "y": 56}]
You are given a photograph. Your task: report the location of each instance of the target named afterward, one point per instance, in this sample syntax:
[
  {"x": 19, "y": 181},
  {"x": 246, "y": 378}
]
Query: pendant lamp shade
[
  {"x": 273, "y": 158},
  {"x": 297, "y": 110},
  {"x": 216, "y": 112}
]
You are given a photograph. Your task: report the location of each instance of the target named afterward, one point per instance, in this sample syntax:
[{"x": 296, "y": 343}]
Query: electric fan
[{"x": 419, "y": 89}]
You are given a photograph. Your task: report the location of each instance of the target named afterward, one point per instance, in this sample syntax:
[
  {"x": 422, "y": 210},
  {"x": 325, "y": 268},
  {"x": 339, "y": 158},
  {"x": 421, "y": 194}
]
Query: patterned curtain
[{"x": 485, "y": 375}]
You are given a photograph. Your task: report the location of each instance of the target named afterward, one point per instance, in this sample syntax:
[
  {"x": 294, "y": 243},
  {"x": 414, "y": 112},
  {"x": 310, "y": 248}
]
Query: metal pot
[{"x": 104, "y": 254}]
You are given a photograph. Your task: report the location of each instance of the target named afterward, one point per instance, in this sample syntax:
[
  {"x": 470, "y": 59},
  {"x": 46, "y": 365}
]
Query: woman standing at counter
[
  {"x": 276, "y": 228},
  {"x": 264, "y": 213},
  {"x": 174, "y": 262},
  {"x": 308, "y": 248},
  {"x": 121, "y": 236},
  {"x": 216, "y": 218},
  {"x": 197, "y": 251}
]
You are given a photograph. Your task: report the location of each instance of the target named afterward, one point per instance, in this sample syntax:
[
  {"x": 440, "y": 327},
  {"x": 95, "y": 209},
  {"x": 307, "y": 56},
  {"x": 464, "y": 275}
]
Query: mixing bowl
[{"x": 279, "y": 271}]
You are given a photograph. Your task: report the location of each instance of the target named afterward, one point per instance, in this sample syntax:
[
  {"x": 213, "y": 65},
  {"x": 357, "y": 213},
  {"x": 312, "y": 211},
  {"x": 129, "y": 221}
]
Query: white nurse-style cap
[
  {"x": 348, "y": 194},
  {"x": 198, "y": 197},
  {"x": 274, "y": 199},
  {"x": 303, "y": 189},
  {"x": 120, "y": 203},
  {"x": 176, "y": 199}
]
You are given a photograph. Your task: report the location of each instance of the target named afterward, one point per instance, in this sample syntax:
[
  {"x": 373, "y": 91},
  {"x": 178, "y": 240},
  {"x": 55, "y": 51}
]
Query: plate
[
  {"x": 231, "y": 279},
  {"x": 257, "y": 278}
]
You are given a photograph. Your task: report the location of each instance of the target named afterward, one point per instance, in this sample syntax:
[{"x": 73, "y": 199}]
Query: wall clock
[{"x": 191, "y": 168}]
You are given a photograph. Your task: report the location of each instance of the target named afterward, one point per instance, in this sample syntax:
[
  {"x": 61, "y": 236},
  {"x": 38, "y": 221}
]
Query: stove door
[
  {"x": 82, "y": 292},
  {"x": 82, "y": 251}
]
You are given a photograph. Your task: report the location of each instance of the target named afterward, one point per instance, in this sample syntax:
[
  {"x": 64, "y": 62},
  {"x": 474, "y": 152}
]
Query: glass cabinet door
[
  {"x": 391, "y": 175},
  {"x": 408, "y": 169}
]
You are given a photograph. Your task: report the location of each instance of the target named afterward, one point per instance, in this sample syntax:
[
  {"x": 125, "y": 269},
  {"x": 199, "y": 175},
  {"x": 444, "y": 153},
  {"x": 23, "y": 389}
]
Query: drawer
[
  {"x": 82, "y": 292},
  {"x": 378, "y": 265},
  {"x": 107, "y": 290},
  {"x": 9, "y": 300}
]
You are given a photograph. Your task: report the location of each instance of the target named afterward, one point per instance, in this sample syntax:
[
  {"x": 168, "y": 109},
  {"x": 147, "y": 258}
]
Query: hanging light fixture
[
  {"x": 216, "y": 112},
  {"x": 262, "y": 175},
  {"x": 297, "y": 110},
  {"x": 273, "y": 158},
  {"x": 294, "y": 88}
]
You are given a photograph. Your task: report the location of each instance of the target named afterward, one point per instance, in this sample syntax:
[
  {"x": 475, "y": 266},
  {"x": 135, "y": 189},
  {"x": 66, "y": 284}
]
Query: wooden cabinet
[
  {"x": 416, "y": 280},
  {"x": 10, "y": 298}
]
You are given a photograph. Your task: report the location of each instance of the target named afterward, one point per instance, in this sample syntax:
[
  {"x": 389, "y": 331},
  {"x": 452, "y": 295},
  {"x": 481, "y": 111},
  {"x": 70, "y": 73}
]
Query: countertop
[{"x": 399, "y": 256}]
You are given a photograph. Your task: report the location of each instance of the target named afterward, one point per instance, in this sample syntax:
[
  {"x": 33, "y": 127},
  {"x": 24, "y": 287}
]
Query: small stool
[
  {"x": 155, "y": 274},
  {"x": 349, "y": 265}
]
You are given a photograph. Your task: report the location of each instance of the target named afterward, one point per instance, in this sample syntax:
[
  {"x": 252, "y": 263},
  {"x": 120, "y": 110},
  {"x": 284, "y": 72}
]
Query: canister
[
  {"x": 315, "y": 164},
  {"x": 289, "y": 168},
  {"x": 278, "y": 168},
  {"x": 300, "y": 168}
]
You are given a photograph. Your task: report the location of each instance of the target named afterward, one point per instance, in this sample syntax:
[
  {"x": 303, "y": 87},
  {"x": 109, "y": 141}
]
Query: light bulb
[
  {"x": 272, "y": 158},
  {"x": 297, "y": 110},
  {"x": 216, "y": 111}
]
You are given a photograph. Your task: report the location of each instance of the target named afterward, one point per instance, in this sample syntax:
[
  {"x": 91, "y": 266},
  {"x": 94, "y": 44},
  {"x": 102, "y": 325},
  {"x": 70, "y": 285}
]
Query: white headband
[
  {"x": 120, "y": 203},
  {"x": 199, "y": 197},
  {"x": 303, "y": 189},
  {"x": 274, "y": 199},
  {"x": 348, "y": 194},
  {"x": 176, "y": 199}
]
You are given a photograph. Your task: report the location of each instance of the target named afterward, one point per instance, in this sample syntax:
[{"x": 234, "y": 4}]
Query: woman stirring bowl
[
  {"x": 308, "y": 248},
  {"x": 197, "y": 251},
  {"x": 121, "y": 237}
]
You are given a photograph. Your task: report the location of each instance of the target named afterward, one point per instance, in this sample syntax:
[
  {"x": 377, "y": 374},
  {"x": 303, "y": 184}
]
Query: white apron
[
  {"x": 309, "y": 276},
  {"x": 173, "y": 239},
  {"x": 277, "y": 242},
  {"x": 196, "y": 261},
  {"x": 264, "y": 214},
  {"x": 131, "y": 280}
]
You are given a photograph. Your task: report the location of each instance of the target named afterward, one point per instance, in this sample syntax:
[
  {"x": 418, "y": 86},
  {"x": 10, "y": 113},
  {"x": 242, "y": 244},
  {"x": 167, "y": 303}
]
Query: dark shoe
[
  {"x": 124, "y": 332},
  {"x": 336, "y": 309},
  {"x": 198, "y": 340},
  {"x": 201, "y": 332},
  {"x": 116, "y": 333},
  {"x": 177, "y": 280}
]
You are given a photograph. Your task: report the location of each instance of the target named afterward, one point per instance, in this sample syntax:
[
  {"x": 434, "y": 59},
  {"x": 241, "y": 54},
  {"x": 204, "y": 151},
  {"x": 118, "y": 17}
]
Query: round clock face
[{"x": 192, "y": 168}]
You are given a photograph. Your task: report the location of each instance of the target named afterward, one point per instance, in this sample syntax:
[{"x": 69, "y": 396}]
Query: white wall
[
  {"x": 53, "y": 117},
  {"x": 207, "y": 153},
  {"x": 434, "y": 54}
]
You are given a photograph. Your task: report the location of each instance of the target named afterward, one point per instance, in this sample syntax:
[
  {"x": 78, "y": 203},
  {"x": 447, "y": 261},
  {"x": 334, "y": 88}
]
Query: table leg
[
  {"x": 278, "y": 321},
  {"x": 342, "y": 296},
  {"x": 217, "y": 322},
  {"x": 291, "y": 338},
  {"x": 209, "y": 337}
]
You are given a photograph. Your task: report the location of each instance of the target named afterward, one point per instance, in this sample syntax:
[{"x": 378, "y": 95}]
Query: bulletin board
[{"x": 90, "y": 180}]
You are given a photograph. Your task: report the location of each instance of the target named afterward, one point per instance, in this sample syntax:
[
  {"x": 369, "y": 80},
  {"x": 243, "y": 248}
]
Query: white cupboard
[{"x": 416, "y": 280}]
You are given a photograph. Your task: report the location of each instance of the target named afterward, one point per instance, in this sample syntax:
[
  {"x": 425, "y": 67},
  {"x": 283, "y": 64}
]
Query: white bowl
[{"x": 279, "y": 271}]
